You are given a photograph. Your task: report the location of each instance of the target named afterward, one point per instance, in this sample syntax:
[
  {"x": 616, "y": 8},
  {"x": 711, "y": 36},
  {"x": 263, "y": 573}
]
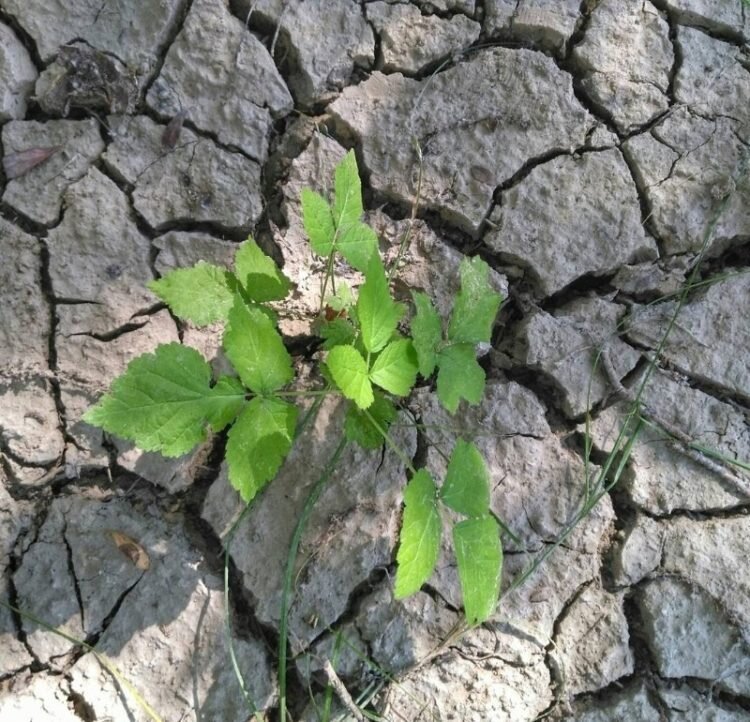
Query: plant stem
[
  {"x": 388, "y": 440},
  {"x": 291, "y": 558}
]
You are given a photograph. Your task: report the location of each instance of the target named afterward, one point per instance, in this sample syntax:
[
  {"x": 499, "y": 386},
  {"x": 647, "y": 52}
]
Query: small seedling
[{"x": 167, "y": 400}]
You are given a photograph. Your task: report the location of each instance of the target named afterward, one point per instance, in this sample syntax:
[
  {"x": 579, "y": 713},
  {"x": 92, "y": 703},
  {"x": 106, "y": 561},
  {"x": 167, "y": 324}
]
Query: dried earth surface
[{"x": 592, "y": 153}]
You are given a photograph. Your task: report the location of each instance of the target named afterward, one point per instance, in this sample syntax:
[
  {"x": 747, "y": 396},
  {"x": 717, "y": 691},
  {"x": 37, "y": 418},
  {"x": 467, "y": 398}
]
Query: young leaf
[
  {"x": 358, "y": 427},
  {"x": 256, "y": 350},
  {"x": 419, "y": 542},
  {"x": 318, "y": 222},
  {"x": 163, "y": 402},
  {"x": 258, "y": 443},
  {"x": 259, "y": 274},
  {"x": 480, "y": 559},
  {"x": 395, "y": 369},
  {"x": 466, "y": 488},
  {"x": 201, "y": 294},
  {"x": 426, "y": 332},
  {"x": 459, "y": 376},
  {"x": 347, "y": 203},
  {"x": 338, "y": 332},
  {"x": 357, "y": 243},
  {"x": 476, "y": 304},
  {"x": 232, "y": 390},
  {"x": 343, "y": 299},
  {"x": 377, "y": 312},
  {"x": 349, "y": 371}
]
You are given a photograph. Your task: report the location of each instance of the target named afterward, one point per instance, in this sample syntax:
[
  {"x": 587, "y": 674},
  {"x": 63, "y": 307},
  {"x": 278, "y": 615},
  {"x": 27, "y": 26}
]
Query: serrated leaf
[
  {"x": 395, "y": 368},
  {"x": 347, "y": 202},
  {"x": 357, "y": 243},
  {"x": 426, "y": 333},
  {"x": 419, "y": 542},
  {"x": 343, "y": 299},
  {"x": 259, "y": 274},
  {"x": 359, "y": 428},
  {"x": 258, "y": 443},
  {"x": 349, "y": 372},
  {"x": 201, "y": 294},
  {"x": 377, "y": 312},
  {"x": 480, "y": 560},
  {"x": 459, "y": 376},
  {"x": 338, "y": 332},
  {"x": 164, "y": 401},
  {"x": 466, "y": 488},
  {"x": 318, "y": 222},
  {"x": 256, "y": 350},
  {"x": 476, "y": 304},
  {"x": 231, "y": 389}
]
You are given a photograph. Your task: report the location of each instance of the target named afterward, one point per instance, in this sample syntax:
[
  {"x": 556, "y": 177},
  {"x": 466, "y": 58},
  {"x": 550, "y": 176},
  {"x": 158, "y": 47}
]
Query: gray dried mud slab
[
  {"x": 686, "y": 165},
  {"x": 98, "y": 233},
  {"x": 563, "y": 346},
  {"x": 625, "y": 60},
  {"x": 709, "y": 342},
  {"x": 632, "y": 703},
  {"x": 662, "y": 476},
  {"x": 571, "y": 217},
  {"x": 592, "y": 643},
  {"x": 352, "y": 531},
  {"x": 684, "y": 704},
  {"x": 717, "y": 17},
  {"x": 38, "y": 193},
  {"x": 225, "y": 79},
  {"x": 133, "y": 32},
  {"x": 409, "y": 41},
  {"x": 41, "y": 698},
  {"x": 316, "y": 70},
  {"x": 477, "y": 123},
  {"x": 197, "y": 181},
  {"x": 157, "y": 610},
  {"x": 17, "y": 75},
  {"x": 690, "y": 636}
]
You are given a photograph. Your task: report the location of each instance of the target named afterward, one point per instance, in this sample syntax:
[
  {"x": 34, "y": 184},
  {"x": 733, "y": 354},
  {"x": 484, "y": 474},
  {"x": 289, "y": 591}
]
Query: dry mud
[{"x": 588, "y": 151}]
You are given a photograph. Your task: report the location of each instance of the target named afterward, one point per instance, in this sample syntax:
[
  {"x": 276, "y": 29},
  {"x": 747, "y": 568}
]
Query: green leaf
[
  {"x": 259, "y": 274},
  {"x": 349, "y": 371},
  {"x": 347, "y": 203},
  {"x": 258, "y": 443},
  {"x": 232, "y": 390},
  {"x": 358, "y": 427},
  {"x": 338, "y": 332},
  {"x": 201, "y": 294},
  {"x": 426, "y": 332},
  {"x": 343, "y": 299},
  {"x": 256, "y": 350},
  {"x": 164, "y": 401},
  {"x": 318, "y": 222},
  {"x": 466, "y": 488},
  {"x": 480, "y": 561},
  {"x": 419, "y": 542},
  {"x": 459, "y": 376},
  {"x": 357, "y": 243},
  {"x": 377, "y": 312},
  {"x": 395, "y": 369},
  {"x": 476, "y": 304}
]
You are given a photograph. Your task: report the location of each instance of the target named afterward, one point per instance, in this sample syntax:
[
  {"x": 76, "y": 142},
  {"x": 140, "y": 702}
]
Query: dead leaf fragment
[
  {"x": 18, "y": 164},
  {"x": 132, "y": 550}
]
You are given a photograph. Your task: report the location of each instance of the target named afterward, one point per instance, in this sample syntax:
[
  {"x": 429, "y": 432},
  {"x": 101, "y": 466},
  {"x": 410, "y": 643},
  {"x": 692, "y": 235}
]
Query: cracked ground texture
[{"x": 586, "y": 150}]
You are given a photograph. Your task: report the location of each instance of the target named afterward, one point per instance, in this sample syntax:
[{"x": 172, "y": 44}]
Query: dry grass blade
[{"x": 18, "y": 164}]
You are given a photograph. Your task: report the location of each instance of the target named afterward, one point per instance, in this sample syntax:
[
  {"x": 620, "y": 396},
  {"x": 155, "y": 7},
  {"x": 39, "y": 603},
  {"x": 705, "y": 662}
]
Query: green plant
[{"x": 167, "y": 400}]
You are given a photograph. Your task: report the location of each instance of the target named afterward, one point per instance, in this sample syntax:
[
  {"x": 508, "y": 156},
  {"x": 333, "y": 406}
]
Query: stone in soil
[
  {"x": 17, "y": 75},
  {"x": 38, "y": 194},
  {"x": 686, "y": 166},
  {"x": 99, "y": 260},
  {"x": 690, "y": 636},
  {"x": 563, "y": 346},
  {"x": 662, "y": 478},
  {"x": 224, "y": 78},
  {"x": 571, "y": 217},
  {"x": 158, "y": 609},
  {"x": 197, "y": 181},
  {"x": 709, "y": 341},
  {"x": 316, "y": 70},
  {"x": 410, "y": 41},
  {"x": 478, "y": 123},
  {"x": 135, "y": 33},
  {"x": 592, "y": 642},
  {"x": 625, "y": 60}
]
